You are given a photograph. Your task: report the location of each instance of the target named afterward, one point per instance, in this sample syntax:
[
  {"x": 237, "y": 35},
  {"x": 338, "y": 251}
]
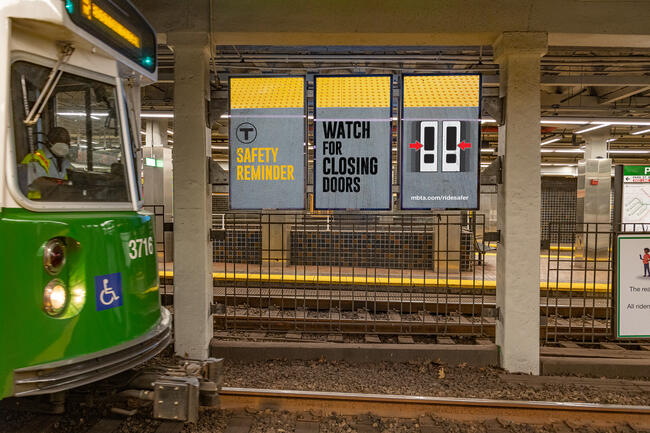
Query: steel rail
[{"x": 405, "y": 406}]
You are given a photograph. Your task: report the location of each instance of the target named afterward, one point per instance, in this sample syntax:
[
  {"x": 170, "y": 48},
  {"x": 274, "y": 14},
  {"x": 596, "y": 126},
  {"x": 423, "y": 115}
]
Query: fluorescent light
[
  {"x": 611, "y": 139},
  {"x": 546, "y": 150},
  {"x": 490, "y": 150},
  {"x": 225, "y": 116},
  {"x": 552, "y": 140},
  {"x": 170, "y": 141},
  {"x": 81, "y": 114},
  {"x": 220, "y": 147},
  {"x": 488, "y": 120},
  {"x": 641, "y": 132},
  {"x": 563, "y": 122},
  {"x": 170, "y": 132},
  {"x": 569, "y": 151},
  {"x": 592, "y": 128},
  {"x": 156, "y": 115},
  {"x": 627, "y": 151},
  {"x": 616, "y": 122},
  {"x": 143, "y": 133}
]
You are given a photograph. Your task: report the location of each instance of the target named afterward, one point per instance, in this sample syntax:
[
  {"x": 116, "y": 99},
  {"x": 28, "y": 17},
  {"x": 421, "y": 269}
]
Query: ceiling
[{"x": 579, "y": 86}]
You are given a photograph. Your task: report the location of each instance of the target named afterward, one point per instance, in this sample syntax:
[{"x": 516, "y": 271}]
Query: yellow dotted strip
[
  {"x": 441, "y": 91},
  {"x": 395, "y": 281},
  {"x": 267, "y": 92},
  {"x": 353, "y": 92}
]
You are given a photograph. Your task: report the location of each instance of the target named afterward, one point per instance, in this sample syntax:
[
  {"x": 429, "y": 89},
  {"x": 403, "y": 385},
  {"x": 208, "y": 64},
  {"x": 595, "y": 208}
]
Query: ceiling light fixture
[{"x": 592, "y": 128}]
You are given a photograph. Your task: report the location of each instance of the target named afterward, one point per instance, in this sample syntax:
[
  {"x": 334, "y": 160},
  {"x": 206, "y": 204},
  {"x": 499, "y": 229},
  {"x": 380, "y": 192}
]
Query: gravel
[{"x": 413, "y": 378}]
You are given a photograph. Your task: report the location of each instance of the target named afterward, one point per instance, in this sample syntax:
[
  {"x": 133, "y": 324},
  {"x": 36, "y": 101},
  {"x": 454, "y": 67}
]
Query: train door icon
[
  {"x": 429, "y": 150},
  {"x": 450, "y": 150}
]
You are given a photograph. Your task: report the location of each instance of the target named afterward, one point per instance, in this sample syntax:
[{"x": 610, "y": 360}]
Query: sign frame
[
  {"x": 390, "y": 143},
  {"x": 616, "y": 315},
  {"x": 400, "y": 147},
  {"x": 305, "y": 139}
]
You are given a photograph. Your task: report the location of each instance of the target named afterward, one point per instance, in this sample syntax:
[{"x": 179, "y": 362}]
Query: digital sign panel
[{"x": 118, "y": 24}]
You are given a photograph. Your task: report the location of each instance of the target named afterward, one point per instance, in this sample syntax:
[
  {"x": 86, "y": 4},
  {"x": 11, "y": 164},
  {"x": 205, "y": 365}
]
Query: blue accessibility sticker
[{"x": 108, "y": 291}]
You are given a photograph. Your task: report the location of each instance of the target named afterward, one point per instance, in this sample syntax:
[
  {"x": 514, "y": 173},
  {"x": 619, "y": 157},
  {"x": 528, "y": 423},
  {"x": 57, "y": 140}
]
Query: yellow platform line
[
  {"x": 390, "y": 281},
  {"x": 552, "y": 247}
]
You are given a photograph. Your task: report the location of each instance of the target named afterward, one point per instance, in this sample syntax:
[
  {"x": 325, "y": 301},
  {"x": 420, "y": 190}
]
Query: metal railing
[
  {"x": 163, "y": 230},
  {"x": 377, "y": 273},
  {"x": 577, "y": 300},
  {"x": 354, "y": 273}
]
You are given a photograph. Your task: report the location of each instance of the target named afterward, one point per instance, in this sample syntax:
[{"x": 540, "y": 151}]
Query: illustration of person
[{"x": 646, "y": 262}]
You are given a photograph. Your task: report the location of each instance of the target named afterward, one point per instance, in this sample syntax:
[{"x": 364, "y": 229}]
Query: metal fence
[
  {"x": 354, "y": 273},
  {"x": 576, "y": 293},
  {"x": 163, "y": 230},
  {"x": 379, "y": 273}
]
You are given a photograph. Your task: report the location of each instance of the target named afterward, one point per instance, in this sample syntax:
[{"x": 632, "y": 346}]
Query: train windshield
[{"x": 74, "y": 152}]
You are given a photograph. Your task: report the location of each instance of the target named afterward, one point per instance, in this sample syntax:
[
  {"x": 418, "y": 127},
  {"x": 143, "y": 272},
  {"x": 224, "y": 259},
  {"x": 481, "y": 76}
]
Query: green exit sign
[{"x": 636, "y": 170}]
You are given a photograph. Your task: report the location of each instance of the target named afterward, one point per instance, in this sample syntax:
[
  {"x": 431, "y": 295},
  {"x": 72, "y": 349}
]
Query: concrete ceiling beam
[{"x": 622, "y": 93}]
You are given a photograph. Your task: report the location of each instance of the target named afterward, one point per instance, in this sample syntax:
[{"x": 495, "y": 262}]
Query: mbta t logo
[{"x": 246, "y": 132}]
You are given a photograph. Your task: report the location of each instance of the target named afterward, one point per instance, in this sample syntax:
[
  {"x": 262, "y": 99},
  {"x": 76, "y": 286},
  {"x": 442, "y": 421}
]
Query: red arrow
[
  {"x": 417, "y": 145},
  {"x": 464, "y": 145}
]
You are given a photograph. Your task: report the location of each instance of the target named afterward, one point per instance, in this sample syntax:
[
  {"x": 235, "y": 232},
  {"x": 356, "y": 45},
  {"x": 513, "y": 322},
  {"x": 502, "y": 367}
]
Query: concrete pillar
[
  {"x": 276, "y": 238},
  {"x": 193, "y": 327},
  {"x": 519, "y": 201},
  {"x": 446, "y": 243},
  {"x": 596, "y": 143},
  {"x": 593, "y": 201}
]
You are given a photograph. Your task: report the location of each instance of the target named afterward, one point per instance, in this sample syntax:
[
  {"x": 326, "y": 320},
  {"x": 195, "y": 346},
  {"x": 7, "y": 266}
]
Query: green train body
[
  {"x": 79, "y": 289},
  {"x": 98, "y": 244}
]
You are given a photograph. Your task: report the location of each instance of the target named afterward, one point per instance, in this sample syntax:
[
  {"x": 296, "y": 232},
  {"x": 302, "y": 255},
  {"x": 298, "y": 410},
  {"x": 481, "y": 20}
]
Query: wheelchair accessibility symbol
[{"x": 108, "y": 291}]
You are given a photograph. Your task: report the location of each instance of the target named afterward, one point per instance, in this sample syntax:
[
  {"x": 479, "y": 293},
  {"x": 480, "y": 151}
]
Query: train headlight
[
  {"x": 55, "y": 298},
  {"x": 54, "y": 256}
]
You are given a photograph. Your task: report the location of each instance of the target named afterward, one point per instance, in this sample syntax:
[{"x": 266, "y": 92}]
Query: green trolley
[{"x": 78, "y": 266}]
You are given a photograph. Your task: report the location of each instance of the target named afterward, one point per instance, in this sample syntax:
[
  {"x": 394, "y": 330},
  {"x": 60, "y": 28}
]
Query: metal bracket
[
  {"x": 493, "y": 173},
  {"x": 217, "y": 308},
  {"x": 176, "y": 398},
  {"x": 217, "y": 235},
  {"x": 493, "y": 106},
  {"x": 492, "y": 236},
  {"x": 492, "y": 312},
  {"x": 216, "y": 174}
]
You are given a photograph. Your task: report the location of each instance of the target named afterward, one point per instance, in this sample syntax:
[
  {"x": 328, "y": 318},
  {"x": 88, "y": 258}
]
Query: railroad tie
[
  {"x": 106, "y": 425},
  {"x": 40, "y": 424},
  {"x": 307, "y": 427},
  {"x": 170, "y": 427},
  {"x": 239, "y": 425}
]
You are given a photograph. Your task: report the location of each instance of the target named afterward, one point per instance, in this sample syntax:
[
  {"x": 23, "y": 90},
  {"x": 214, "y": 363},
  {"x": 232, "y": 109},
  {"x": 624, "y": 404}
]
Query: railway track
[
  {"x": 415, "y": 323},
  {"x": 243, "y": 410},
  {"x": 458, "y": 409}
]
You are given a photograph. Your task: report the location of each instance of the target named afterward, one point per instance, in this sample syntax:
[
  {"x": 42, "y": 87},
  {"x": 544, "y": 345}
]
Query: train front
[{"x": 79, "y": 285}]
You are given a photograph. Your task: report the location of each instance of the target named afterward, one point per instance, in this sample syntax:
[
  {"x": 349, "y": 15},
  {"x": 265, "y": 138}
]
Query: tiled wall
[
  {"x": 240, "y": 246},
  {"x": 558, "y": 204},
  {"x": 409, "y": 250}
]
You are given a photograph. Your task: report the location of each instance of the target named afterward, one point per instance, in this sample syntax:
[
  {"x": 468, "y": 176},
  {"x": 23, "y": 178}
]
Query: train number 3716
[{"x": 140, "y": 247}]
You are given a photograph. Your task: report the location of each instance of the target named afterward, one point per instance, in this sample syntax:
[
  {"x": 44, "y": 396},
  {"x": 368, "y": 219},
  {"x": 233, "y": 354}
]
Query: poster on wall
[
  {"x": 267, "y": 142},
  {"x": 440, "y": 148},
  {"x": 352, "y": 142},
  {"x": 635, "y": 203},
  {"x": 632, "y": 282}
]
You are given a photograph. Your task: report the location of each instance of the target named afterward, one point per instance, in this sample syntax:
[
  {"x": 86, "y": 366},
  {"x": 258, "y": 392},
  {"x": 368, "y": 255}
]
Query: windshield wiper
[{"x": 65, "y": 51}]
